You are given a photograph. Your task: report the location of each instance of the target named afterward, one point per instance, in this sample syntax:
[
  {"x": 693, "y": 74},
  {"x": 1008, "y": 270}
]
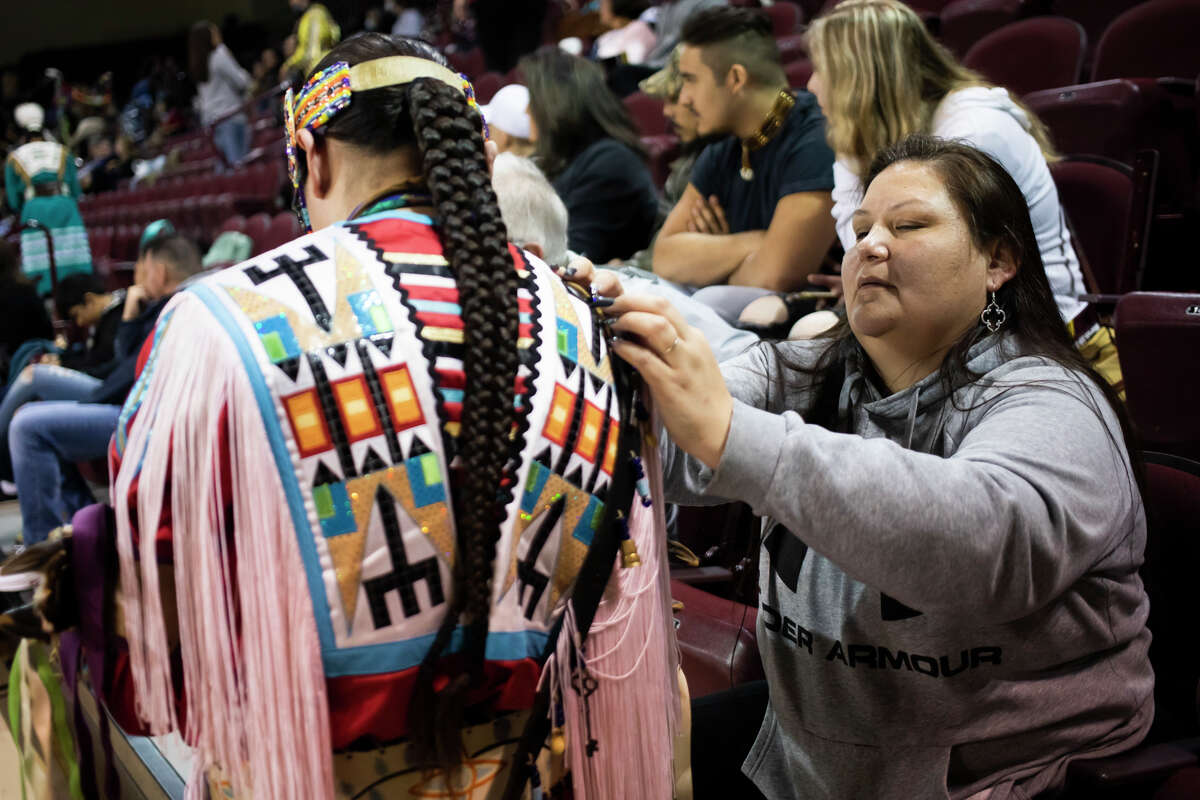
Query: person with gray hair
[
  {"x": 532, "y": 211},
  {"x": 536, "y": 220}
]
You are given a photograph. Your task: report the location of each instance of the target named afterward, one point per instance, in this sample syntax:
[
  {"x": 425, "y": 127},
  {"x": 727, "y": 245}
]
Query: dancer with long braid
[{"x": 371, "y": 487}]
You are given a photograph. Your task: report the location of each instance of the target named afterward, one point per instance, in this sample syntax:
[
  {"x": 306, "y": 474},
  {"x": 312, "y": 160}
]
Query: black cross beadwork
[
  {"x": 294, "y": 270},
  {"x": 527, "y": 573},
  {"x": 404, "y": 576}
]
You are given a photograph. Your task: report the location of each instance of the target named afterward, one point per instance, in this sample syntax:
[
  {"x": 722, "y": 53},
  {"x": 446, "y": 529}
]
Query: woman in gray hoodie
[{"x": 949, "y": 599}]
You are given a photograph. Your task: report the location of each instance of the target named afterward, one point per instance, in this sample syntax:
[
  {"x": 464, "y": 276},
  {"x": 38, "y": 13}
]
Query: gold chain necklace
[{"x": 766, "y": 132}]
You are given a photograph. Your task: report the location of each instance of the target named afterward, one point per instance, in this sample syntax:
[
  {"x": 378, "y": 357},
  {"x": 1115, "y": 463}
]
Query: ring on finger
[{"x": 672, "y": 347}]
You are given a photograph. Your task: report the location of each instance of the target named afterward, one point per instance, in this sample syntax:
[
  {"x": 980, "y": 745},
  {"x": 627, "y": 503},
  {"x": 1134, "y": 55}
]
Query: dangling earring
[{"x": 993, "y": 315}]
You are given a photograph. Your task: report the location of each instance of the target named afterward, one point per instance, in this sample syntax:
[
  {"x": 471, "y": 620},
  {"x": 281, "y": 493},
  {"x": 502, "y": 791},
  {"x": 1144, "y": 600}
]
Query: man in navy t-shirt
[{"x": 757, "y": 211}]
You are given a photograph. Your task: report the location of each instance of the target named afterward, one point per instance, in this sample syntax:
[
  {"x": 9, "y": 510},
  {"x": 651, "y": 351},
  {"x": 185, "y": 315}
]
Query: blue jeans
[
  {"x": 232, "y": 138},
  {"x": 40, "y": 382},
  {"x": 45, "y": 440}
]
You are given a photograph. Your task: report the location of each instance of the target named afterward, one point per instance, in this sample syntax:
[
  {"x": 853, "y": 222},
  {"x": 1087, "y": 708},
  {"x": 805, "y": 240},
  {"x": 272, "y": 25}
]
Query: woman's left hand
[{"x": 675, "y": 361}]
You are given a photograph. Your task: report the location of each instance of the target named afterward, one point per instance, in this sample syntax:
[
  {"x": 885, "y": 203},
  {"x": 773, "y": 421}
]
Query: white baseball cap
[
  {"x": 509, "y": 110},
  {"x": 29, "y": 116}
]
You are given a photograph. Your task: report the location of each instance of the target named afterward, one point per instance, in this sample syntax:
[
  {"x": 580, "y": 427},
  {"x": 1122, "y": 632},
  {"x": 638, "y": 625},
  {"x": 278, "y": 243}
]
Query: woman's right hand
[{"x": 676, "y": 362}]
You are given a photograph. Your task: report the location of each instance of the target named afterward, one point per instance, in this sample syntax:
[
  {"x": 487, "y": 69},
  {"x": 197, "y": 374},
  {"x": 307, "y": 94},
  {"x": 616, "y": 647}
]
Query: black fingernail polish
[{"x": 603, "y": 302}]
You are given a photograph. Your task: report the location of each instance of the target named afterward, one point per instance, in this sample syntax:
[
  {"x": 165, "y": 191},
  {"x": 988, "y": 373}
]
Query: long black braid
[
  {"x": 474, "y": 242},
  {"x": 436, "y": 119}
]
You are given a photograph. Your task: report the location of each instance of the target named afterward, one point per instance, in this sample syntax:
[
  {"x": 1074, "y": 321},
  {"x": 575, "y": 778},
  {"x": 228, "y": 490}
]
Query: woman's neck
[{"x": 899, "y": 367}]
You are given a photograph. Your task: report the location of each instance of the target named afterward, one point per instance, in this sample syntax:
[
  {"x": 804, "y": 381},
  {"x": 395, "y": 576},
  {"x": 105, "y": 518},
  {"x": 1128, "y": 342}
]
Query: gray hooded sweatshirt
[{"x": 949, "y": 601}]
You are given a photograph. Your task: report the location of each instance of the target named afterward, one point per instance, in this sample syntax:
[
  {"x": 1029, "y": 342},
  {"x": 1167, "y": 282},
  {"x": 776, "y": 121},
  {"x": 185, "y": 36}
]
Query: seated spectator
[
  {"x": 536, "y": 220},
  {"x": 756, "y": 213},
  {"x": 221, "y": 88},
  {"x": 665, "y": 85},
  {"x": 533, "y": 213},
  {"x": 23, "y": 317},
  {"x": 507, "y": 116},
  {"x": 265, "y": 73},
  {"x": 111, "y": 162},
  {"x": 77, "y": 376},
  {"x": 668, "y": 28},
  {"x": 628, "y": 39},
  {"x": 880, "y": 76},
  {"x": 589, "y": 148},
  {"x": 948, "y": 608},
  {"x": 45, "y": 439},
  {"x": 83, "y": 300}
]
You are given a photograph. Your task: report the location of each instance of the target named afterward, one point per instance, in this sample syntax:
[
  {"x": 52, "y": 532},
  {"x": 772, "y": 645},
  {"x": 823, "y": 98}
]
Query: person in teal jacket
[{"x": 40, "y": 184}]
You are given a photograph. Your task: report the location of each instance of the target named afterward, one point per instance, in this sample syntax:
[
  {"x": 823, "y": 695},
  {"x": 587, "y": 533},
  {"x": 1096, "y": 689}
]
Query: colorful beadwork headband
[{"x": 330, "y": 90}]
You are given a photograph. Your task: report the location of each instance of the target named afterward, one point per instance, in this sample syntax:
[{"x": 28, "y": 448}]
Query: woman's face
[{"x": 914, "y": 277}]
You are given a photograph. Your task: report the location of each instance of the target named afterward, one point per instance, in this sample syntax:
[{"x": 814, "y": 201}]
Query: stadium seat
[
  {"x": 791, "y": 48},
  {"x": 284, "y": 227},
  {"x": 718, "y": 648},
  {"x": 1103, "y": 118},
  {"x": 1164, "y": 766},
  {"x": 662, "y": 150},
  {"x": 486, "y": 86},
  {"x": 647, "y": 113},
  {"x": 1152, "y": 40},
  {"x": 798, "y": 72},
  {"x": 1031, "y": 55},
  {"x": 1109, "y": 206},
  {"x": 235, "y": 223},
  {"x": 786, "y": 18},
  {"x": 964, "y": 22},
  {"x": 1093, "y": 15},
  {"x": 258, "y": 229},
  {"x": 100, "y": 242},
  {"x": 1158, "y": 342},
  {"x": 468, "y": 62}
]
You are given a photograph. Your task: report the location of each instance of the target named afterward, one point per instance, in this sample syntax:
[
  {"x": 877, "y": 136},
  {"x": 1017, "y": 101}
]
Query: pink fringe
[
  {"x": 256, "y": 703},
  {"x": 631, "y": 652}
]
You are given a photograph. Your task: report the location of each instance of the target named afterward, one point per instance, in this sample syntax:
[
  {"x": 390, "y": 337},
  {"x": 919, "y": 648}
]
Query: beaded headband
[{"x": 329, "y": 92}]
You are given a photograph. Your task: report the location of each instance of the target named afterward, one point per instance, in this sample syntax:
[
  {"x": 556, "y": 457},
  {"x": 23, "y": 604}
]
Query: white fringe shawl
[
  {"x": 634, "y": 715},
  {"x": 255, "y": 698}
]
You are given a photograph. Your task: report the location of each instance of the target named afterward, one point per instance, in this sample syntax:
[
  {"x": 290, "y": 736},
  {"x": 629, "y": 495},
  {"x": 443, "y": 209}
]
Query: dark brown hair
[
  {"x": 200, "y": 47},
  {"x": 573, "y": 108},
  {"x": 728, "y": 35},
  {"x": 435, "y": 118},
  {"x": 996, "y": 213}
]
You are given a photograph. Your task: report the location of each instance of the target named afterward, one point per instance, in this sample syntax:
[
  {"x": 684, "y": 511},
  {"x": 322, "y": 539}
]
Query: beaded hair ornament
[{"x": 330, "y": 90}]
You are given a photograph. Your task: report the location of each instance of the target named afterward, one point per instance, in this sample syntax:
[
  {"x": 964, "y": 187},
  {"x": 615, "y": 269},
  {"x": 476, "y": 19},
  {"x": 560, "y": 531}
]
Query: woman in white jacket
[
  {"x": 221, "y": 89},
  {"x": 879, "y": 77}
]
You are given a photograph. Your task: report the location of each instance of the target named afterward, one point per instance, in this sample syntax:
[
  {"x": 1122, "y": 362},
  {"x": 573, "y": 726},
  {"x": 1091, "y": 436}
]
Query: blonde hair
[{"x": 884, "y": 76}]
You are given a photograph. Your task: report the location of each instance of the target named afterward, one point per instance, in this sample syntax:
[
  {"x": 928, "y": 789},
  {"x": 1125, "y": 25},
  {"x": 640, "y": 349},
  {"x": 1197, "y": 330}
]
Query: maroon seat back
[
  {"x": 1153, "y": 40},
  {"x": 662, "y": 150},
  {"x": 284, "y": 227},
  {"x": 1106, "y": 118},
  {"x": 258, "y": 228},
  {"x": 798, "y": 73},
  {"x": 1172, "y": 499},
  {"x": 1030, "y": 55},
  {"x": 964, "y": 22},
  {"x": 1158, "y": 341},
  {"x": 718, "y": 648},
  {"x": 647, "y": 113},
  {"x": 785, "y": 18},
  {"x": 1108, "y": 205},
  {"x": 792, "y": 48},
  {"x": 486, "y": 86}
]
